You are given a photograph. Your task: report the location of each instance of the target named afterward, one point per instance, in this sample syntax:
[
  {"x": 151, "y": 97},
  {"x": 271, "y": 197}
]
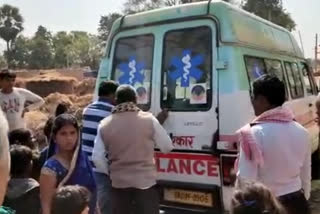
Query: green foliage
[
  {"x": 271, "y": 10},
  {"x": 45, "y": 50},
  {"x": 95, "y": 52},
  {"x": 105, "y": 25},
  {"x": 136, "y": 6},
  {"x": 76, "y": 48},
  {"x": 3, "y": 62},
  {"x": 21, "y": 53},
  {"x": 41, "y": 49},
  {"x": 62, "y": 50},
  {"x": 61, "y": 43},
  {"x": 11, "y": 24}
]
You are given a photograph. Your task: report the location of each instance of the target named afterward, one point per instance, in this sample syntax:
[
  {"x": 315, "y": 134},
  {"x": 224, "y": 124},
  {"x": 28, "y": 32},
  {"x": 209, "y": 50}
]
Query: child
[
  {"x": 254, "y": 198},
  {"x": 22, "y": 137},
  {"x": 23, "y": 191},
  {"x": 71, "y": 200},
  {"x": 25, "y": 137}
]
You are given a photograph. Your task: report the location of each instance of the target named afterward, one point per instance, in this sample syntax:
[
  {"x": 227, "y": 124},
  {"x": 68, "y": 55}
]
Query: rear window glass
[
  {"x": 274, "y": 67},
  {"x": 307, "y": 78},
  {"x": 295, "y": 83},
  {"x": 132, "y": 65},
  {"x": 186, "y": 70},
  {"x": 255, "y": 67}
]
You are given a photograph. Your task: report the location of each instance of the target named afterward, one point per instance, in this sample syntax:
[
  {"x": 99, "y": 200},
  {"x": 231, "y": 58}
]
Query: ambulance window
[
  {"x": 132, "y": 64},
  {"x": 307, "y": 77},
  {"x": 297, "y": 79},
  {"x": 274, "y": 68},
  {"x": 255, "y": 67},
  {"x": 186, "y": 70},
  {"x": 295, "y": 83}
]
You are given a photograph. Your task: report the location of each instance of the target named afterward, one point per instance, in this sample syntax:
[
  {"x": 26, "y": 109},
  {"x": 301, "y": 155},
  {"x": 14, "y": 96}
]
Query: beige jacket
[{"x": 129, "y": 139}]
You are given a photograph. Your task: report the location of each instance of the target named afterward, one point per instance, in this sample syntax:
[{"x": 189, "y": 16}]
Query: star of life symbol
[
  {"x": 186, "y": 67},
  {"x": 131, "y": 72}
]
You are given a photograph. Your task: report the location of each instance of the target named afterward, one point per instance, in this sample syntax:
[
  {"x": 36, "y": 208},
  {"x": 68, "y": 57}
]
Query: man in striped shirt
[{"x": 92, "y": 115}]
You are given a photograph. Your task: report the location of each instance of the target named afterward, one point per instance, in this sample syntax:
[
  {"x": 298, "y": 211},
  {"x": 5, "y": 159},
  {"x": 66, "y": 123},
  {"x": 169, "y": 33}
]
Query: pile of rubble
[{"x": 56, "y": 88}]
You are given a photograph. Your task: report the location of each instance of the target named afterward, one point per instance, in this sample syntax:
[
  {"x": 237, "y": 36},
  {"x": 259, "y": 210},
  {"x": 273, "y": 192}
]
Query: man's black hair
[
  {"x": 48, "y": 127},
  {"x": 6, "y": 73},
  {"x": 107, "y": 88},
  {"x": 61, "y": 109},
  {"x": 23, "y": 137},
  {"x": 21, "y": 157},
  {"x": 126, "y": 93},
  {"x": 272, "y": 88}
]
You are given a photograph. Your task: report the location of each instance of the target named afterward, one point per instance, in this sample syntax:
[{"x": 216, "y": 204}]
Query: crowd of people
[{"x": 107, "y": 165}]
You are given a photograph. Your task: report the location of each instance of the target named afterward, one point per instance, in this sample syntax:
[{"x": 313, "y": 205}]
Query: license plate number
[{"x": 188, "y": 197}]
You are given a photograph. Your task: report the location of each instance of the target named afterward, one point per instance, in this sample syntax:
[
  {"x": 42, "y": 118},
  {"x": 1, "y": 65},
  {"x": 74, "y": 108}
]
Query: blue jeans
[{"x": 104, "y": 192}]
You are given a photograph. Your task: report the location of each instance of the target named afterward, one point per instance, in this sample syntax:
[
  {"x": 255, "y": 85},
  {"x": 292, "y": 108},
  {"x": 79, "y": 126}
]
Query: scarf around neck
[
  {"x": 125, "y": 107},
  {"x": 247, "y": 141}
]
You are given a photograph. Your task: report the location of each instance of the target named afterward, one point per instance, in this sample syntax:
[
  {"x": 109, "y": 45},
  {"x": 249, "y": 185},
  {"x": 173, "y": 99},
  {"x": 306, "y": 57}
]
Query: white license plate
[{"x": 188, "y": 197}]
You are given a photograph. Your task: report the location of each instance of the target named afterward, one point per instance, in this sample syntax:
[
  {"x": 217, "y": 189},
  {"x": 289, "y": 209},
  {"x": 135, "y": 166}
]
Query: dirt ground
[{"x": 55, "y": 87}]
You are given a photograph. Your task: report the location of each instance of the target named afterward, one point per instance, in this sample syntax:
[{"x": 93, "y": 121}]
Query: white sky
[{"x": 84, "y": 15}]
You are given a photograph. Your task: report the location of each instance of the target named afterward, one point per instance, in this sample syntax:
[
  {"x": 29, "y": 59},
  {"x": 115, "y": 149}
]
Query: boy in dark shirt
[{"x": 23, "y": 191}]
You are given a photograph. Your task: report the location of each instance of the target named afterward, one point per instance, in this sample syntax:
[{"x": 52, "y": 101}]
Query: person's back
[
  {"x": 23, "y": 196},
  {"x": 128, "y": 137},
  {"x": 23, "y": 191},
  {"x": 131, "y": 148},
  {"x": 93, "y": 114},
  {"x": 274, "y": 149},
  {"x": 282, "y": 144}
]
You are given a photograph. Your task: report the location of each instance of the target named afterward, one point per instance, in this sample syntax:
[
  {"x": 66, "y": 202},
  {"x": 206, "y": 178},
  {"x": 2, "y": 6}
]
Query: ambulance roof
[{"x": 235, "y": 25}]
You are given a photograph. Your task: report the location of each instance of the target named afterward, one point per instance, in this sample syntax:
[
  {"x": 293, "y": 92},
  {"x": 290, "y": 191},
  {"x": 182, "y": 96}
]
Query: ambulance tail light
[{"x": 228, "y": 171}]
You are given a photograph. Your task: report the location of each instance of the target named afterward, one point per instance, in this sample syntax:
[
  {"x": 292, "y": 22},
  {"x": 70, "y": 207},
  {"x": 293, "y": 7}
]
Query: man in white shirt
[
  {"x": 129, "y": 136},
  {"x": 279, "y": 154},
  {"x": 15, "y": 102}
]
